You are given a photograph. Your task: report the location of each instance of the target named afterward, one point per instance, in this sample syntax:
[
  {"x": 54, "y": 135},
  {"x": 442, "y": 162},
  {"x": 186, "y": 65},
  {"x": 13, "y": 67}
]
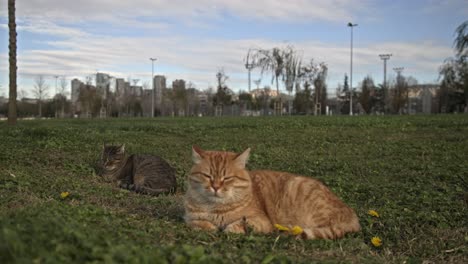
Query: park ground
[{"x": 411, "y": 170}]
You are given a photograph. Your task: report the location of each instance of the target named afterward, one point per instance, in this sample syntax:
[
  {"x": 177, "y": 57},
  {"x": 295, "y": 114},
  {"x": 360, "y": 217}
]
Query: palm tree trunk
[{"x": 12, "y": 113}]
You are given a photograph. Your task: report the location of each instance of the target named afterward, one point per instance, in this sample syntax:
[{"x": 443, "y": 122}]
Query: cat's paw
[
  {"x": 238, "y": 228},
  {"x": 127, "y": 186},
  {"x": 202, "y": 225}
]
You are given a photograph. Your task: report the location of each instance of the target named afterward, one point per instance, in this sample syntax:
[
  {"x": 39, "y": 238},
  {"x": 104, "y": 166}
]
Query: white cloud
[
  {"x": 79, "y": 53},
  {"x": 292, "y": 10},
  {"x": 43, "y": 26},
  {"x": 197, "y": 60}
]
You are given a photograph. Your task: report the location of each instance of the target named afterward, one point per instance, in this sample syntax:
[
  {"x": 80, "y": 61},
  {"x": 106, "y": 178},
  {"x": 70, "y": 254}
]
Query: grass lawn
[{"x": 412, "y": 170}]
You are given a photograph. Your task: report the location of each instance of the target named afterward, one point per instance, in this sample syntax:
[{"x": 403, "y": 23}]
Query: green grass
[{"x": 413, "y": 170}]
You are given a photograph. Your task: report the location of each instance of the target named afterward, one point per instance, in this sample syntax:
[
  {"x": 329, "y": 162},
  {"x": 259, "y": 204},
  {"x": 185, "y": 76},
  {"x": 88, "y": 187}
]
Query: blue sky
[{"x": 193, "y": 39}]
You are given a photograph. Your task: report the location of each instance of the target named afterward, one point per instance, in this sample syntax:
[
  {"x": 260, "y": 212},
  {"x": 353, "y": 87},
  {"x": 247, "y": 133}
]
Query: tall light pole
[
  {"x": 152, "y": 81},
  {"x": 385, "y": 57},
  {"x": 249, "y": 65},
  {"x": 351, "y": 25}
]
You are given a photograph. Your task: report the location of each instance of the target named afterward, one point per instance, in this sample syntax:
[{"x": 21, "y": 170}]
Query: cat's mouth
[{"x": 217, "y": 194}]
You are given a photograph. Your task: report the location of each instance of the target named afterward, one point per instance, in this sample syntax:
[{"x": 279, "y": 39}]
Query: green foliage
[{"x": 410, "y": 169}]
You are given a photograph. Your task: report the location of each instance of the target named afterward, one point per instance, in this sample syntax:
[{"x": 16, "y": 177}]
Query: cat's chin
[{"x": 217, "y": 197}]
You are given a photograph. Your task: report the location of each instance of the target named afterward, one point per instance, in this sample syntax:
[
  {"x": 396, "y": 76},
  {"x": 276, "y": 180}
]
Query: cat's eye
[
  {"x": 229, "y": 178},
  {"x": 207, "y": 176}
]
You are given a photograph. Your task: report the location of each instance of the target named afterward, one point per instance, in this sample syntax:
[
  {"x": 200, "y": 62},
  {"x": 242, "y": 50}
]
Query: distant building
[
  {"x": 203, "y": 99},
  {"x": 136, "y": 90},
  {"x": 120, "y": 86},
  {"x": 75, "y": 95},
  {"x": 102, "y": 84},
  {"x": 75, "y": 90},
  {"x": 421, "y": 98},
  {"x": 259, "y": 92},
  {"x": 33, "y": 100},
  {"x": 159, "y": 83}
]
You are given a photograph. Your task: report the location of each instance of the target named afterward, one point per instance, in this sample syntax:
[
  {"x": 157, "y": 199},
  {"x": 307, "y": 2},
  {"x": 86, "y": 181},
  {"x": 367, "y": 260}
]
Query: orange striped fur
[{"x": 223, "y": 195}]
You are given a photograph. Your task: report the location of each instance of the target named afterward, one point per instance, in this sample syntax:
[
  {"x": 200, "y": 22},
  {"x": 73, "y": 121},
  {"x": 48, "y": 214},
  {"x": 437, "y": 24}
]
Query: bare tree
[
  {"x": 365, "y": 98},
  {"x": 221, "y": 78},
  {"x": 12, "y": 107},
  {"x": 313, "y": 74},
  {"x": 40, "y": 91},
  {"x": 89, "y": 79},
  {"x": 223, "y": 93},
  {"x": 400, "y": 93},
  {"x": 320, "y": 91},
  {"x": 257, "y": 83},
  {"x": 22, "y": 94},
  {"x": 63, "y": 94}
]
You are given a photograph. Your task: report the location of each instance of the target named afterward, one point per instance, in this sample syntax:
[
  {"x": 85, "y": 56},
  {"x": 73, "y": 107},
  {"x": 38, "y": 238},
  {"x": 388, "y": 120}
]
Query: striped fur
[
  {"x": 146, "y": 174},
  {"x": 223, "y": 195}
]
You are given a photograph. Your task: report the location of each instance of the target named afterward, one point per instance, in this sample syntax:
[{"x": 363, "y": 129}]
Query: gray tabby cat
[{"x": 145, "y": 174}]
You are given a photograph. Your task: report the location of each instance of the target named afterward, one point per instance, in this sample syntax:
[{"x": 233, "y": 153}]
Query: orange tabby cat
[{"x": 223, "y": 195}]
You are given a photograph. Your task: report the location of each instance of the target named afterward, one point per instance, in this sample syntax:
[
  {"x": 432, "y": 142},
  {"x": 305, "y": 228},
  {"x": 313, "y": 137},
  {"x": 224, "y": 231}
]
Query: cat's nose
[{"x": 216, "y": 186}]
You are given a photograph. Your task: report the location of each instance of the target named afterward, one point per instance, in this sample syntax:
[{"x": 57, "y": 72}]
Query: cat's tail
[
  {"x": 147, "y": 190},
  {"x": 153, "y": 191}
]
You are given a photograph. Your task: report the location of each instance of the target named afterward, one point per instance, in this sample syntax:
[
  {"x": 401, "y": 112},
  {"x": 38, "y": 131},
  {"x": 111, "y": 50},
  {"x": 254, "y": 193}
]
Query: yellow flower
[
  {"x": 281, "y": 228},
  {"x": 296, "y": 230},
  {"x": 64, "y": 195},
  {"x": 376, "y": 241},
  {"x": 373, "y": 213}
]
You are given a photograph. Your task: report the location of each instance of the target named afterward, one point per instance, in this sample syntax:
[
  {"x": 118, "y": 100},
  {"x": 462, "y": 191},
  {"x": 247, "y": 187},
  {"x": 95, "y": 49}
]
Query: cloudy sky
[{"x": 193, "y": 39}]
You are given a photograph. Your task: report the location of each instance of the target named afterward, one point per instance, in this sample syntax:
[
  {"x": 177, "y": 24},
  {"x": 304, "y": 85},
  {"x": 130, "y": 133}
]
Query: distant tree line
[{"x": 285, "y": 66}]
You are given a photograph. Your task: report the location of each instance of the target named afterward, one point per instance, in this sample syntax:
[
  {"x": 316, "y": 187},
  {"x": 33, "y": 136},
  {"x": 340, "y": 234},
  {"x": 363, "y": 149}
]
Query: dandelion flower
[
  {"x": 296, "y": 230},
  {"x": 281, "y": 228},
  {"x": 64, "y": 195},
  {"x": 376, "y": 241},
  {"x": 373, "y": 213}
]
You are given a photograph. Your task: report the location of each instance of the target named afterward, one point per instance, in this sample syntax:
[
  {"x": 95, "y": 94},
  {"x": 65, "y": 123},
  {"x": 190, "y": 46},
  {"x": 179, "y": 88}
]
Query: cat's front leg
[
  {"x": 257, "y": 223},
  {"x": 202, "y": 224},
  {"x": 238, "y": 227}
]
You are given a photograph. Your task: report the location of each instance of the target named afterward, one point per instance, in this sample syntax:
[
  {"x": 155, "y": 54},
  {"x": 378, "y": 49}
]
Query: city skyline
[{"x": 192, "y": 43}]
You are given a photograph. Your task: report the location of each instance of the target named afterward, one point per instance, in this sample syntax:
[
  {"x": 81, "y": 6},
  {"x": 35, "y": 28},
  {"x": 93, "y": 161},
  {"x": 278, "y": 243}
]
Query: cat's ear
[
  {"x": 241, "y": 159},
  {"x": 197, "y": 154},
  {"x": 121, "y": 149}
]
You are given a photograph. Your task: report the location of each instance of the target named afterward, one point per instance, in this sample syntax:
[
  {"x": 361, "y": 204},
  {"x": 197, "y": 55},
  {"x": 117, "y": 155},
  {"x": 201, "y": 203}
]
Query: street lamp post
[
  {"x": 249, "y": 65},
  {"x": 385, "y": 57},
  {"x": 351, "y": 25},
  {"x": 152, "y": 90}
]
